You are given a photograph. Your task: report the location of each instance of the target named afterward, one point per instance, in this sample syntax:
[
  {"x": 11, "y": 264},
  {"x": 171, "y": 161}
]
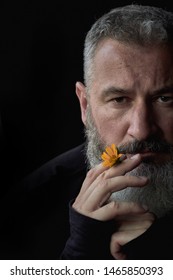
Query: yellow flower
[{"x": 110, "y": 156}]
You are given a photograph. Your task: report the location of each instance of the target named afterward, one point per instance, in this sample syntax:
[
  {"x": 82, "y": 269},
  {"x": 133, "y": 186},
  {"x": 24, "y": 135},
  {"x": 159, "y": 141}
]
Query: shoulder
[
  {"x": 70, "y": 159},
  {"x": 68, "y": 163}
]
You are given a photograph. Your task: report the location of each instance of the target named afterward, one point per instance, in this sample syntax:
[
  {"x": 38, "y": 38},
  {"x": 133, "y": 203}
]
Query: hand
[
  {"x": 100, "y": 183},
  {"x": 130, "y": 227}
]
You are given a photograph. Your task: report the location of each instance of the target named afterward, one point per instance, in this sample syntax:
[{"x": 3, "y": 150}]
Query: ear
[{"x": 81, "y": 94}]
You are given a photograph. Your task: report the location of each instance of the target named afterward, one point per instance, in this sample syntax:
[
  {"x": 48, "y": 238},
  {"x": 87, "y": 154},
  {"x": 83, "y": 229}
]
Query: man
[{"x": 125, "y": 211}]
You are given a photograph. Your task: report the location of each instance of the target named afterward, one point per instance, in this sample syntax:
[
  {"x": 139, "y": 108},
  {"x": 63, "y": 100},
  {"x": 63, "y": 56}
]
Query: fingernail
[
  {"x": 123, "y": 157},
  {"x": 143, "y": 178},
  {"x": 135, "y": 156}
]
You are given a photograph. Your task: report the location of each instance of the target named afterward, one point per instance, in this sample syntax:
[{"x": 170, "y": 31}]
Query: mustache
[{"x": 151, "y": 145}]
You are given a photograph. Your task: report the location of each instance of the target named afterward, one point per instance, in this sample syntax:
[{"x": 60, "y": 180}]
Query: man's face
[
  {"x": 131, "y": 97},
  {"x": 130, "y": 103}
]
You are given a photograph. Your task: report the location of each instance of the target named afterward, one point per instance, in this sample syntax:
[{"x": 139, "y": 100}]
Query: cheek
[
  {"x": 167, "y": 129},
  {"x": 164, "y": 122},
  {"x": 111, "y": 128}
]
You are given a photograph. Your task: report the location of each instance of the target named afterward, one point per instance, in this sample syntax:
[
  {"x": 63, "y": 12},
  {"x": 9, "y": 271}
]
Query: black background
[{"x": 41, "y": 59}]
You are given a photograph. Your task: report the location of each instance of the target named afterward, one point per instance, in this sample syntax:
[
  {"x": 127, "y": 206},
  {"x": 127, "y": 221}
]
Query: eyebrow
[
  {"x": 164, "y": 90},
  {"x": 114, "y": 90},
  {"x": 118, "y": 90}
]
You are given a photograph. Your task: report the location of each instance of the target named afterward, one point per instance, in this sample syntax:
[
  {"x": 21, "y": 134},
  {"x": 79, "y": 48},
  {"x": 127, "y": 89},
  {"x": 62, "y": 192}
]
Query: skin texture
[{"x": 131, "y": 98}]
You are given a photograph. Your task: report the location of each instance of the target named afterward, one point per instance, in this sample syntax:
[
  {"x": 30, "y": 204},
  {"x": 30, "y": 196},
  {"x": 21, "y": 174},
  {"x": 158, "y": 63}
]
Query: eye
[
  {"x": 165, "y": 99},
  {"x": 120, "y": 99}
]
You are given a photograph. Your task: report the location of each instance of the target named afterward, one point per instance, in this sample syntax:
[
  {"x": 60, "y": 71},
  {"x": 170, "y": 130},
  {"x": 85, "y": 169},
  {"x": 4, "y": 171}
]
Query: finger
[
  {"x": 105, "y": 187},
  {"x": 135, "y": 217},
  {"x": 136, "y": 222},
  {"x": 114, "y": 209},
  {"x": 105, "y": 173},
  {"x": 125, "y": 166},
  {"x": 119, "y": 239},
  {"x": 119, "y": 169},
  {"x": 91, "y": 176}
]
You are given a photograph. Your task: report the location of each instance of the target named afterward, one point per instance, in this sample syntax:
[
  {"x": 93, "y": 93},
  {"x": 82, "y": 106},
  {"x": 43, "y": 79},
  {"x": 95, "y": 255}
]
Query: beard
[{"x": 157, "y": 195}]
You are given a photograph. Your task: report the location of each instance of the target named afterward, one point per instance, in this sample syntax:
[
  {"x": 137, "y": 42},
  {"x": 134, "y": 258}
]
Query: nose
[{"x": 142, "y": 123}]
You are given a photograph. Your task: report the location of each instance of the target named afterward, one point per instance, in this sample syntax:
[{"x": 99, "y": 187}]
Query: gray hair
[{"x": 131, "y": 24}]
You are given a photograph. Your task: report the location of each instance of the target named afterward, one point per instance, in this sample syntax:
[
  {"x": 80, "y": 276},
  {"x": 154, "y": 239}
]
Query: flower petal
[
  {"x": 105, "y": 156},
  {"x": 109, "y": 151},
  {"x": 114, "y": 149},
  {"x": 110, "y": 156}
]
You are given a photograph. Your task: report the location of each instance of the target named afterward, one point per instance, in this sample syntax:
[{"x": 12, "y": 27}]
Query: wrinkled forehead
[
  {"x": 115, "y": 60},
  {"x": 112, "y": 50}
]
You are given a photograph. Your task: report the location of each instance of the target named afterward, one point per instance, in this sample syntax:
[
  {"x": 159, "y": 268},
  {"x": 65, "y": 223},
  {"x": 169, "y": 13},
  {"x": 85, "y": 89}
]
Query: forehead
[
  {"x": 109, "y": 49},
  {"x": 115, "y": 61}
]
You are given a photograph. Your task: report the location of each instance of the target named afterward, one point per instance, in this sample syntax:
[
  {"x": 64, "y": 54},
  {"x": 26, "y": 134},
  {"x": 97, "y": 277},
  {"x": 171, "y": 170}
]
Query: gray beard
[{"x": 157, "y": 195}]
